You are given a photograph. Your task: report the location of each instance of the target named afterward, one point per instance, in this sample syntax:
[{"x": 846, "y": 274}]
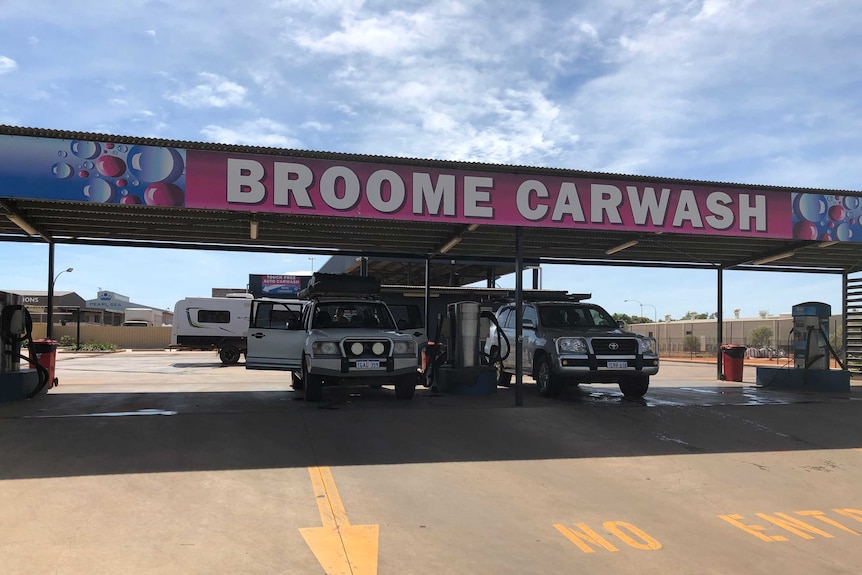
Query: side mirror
[
  {"x": 621, "y": 324},
  {"x": 528, "y": 323},
  {"x": 402, "y": 324}
]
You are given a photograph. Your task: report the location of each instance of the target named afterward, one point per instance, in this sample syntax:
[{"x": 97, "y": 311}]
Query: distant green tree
[
  {"x": 836, "y": 340},
  {"x": 631, "y": 319},
  {"x": 761, "y": 336}
]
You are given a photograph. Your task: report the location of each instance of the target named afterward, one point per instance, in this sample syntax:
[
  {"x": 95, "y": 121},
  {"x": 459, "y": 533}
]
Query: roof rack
[
  {"x": 340, "y": 285},
  {"x": 535, "y": 297}
]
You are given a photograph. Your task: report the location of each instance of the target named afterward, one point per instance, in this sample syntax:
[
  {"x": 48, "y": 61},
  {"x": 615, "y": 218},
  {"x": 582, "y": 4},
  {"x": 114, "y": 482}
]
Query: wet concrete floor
[{"x": 171, "y": 463}]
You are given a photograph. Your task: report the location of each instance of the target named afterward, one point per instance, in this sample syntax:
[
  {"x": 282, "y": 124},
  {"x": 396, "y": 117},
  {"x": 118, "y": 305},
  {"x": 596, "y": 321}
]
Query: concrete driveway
[{"x": 170, "y": 463}]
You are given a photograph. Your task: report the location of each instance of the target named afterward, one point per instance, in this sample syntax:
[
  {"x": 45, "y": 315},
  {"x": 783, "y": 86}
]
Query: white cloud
[
  {"x": 7, "y": 65},
  {"x": 316, "y": 126},
  {"x": 261, "y": 132},
  {"x": 214, "y": 91}
]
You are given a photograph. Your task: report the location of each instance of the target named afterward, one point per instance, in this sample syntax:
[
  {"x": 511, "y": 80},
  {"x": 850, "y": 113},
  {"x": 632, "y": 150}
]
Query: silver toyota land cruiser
[{"x": 574, "y": 342}]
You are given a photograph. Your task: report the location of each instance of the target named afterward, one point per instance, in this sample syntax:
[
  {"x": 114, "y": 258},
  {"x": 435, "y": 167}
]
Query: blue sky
[{"x": 738, "y": 91}]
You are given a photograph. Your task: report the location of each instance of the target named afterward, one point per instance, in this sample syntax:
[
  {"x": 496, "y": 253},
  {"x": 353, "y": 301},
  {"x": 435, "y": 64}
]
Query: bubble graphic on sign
[
  {"x": 836, "y": 212},
  {"x": 844, "y": 232},
  {"x": 851, "y": 203},
  {"x": 155, "y": 164},
  {"x": 100, "y": 191},
  {"x": 62, "y": 170},
  {"x": 86, "y": 150},
  {"x": 111, "y": 166},
  {"x": 805, "y": 231},
  {"x": 811, "y": 207},
  {"x": 130, "y": 199},
  {"x": 163, "y": 194}
]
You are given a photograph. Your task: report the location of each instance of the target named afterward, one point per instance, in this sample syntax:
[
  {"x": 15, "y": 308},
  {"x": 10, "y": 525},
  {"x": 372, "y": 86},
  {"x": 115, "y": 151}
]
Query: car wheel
[
  {"x": 229, "y": 355},
  {"x": 296, "y": 380},
  {"x": 313, "y": 385},
  {"x": 549, "y": 385},
  {"x": 635, "y": 387},
  {"x": 405, "y": 387},
  {"x": 504, "y": 379}
]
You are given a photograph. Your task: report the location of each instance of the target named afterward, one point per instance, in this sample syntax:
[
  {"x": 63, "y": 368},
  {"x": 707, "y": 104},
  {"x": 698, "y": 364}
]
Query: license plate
[
  {"x": 367, "y": 364},
  {"x": 618, "y": 364}
]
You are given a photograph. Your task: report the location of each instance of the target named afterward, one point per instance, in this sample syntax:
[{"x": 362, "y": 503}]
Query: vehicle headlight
[
  {"x": 325, "y": 347},
  {"x": 648, "y": 345},
  {"x": 404, "y": 347},
  {"x": 572, "y": 345}
]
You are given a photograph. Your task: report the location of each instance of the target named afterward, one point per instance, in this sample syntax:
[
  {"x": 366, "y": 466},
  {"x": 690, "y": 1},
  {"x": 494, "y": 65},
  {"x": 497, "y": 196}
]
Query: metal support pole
[
  {"x": 49, "y": 328},
  {"x": 719, "y": 318},
  {"x": 845, "y": 283},
  {"x": 428, "y": 334},
  {"x": 535, "y": 278},
  {"x": 363, "y": 266},
  {"x": 519, "y": 316}
]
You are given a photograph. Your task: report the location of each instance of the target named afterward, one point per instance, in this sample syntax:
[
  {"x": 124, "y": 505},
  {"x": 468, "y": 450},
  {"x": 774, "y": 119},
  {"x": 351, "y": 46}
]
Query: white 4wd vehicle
[
  {"x": 332, "y": 340},
  {"x": 572, "y": 342}
]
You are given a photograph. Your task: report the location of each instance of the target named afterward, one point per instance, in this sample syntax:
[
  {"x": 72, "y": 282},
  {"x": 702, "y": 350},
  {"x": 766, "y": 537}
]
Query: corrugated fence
[{"x": 156, "y": 337}]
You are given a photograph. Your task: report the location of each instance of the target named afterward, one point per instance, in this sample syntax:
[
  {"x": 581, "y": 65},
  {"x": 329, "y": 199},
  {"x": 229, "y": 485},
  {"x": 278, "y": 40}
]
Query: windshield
[
  {"x": 353, "y": 314},
  {"x": 575, "y": 315}
]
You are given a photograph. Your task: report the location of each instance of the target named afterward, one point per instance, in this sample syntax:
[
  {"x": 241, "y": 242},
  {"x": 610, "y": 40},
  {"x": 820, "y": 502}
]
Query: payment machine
[
  {"x": 811, "y": 335},
  {"x": 812, "y": 355}
]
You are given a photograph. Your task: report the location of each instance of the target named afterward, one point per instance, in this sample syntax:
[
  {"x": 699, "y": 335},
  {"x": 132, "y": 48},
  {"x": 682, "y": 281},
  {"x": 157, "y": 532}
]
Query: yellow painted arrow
[{"x": 340, "y": 548}]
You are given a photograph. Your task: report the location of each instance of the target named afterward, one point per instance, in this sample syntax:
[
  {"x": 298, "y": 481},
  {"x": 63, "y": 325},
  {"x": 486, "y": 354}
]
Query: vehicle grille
[
  {"x": 367, "y": 348},
  {"x": 614, "y": 346}
]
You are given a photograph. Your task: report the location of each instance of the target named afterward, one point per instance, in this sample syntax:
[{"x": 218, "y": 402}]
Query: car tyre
[
  {"x": 229, "y": 355},
  {"x": 549, "y": 385},
  {"x": 405, "y": 386},
  {"x": 313, "y": 385},
  {"x": 504, "y": 378},
  {"x": 635, "y": 386},
  {"x": 296, "y": 381}
]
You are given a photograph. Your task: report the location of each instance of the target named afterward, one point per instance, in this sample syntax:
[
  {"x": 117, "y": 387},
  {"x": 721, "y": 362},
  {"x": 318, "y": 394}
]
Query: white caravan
[{"x": 213, "y": 323}]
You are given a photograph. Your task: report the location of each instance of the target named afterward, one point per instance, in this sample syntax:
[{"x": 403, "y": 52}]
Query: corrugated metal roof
[{"x": 478, "y": 251}]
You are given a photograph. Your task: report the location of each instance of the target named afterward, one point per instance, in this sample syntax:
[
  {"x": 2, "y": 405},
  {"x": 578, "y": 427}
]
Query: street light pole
[
  {"x": 639, "y": 303},
  {"x": 654, "y": 312},
  {"x": 59, "y": 274},
  {"x": 49, "y": 327}
]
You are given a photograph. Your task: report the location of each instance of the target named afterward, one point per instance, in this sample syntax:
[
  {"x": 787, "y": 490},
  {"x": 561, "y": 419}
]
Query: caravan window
[{"x": 213, "y": 316}]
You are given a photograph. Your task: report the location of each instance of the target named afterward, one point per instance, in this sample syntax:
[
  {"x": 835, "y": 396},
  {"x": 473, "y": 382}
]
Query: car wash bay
[
  {"x": 479, "y": 462},
  {"x": 171, "y": 462}
]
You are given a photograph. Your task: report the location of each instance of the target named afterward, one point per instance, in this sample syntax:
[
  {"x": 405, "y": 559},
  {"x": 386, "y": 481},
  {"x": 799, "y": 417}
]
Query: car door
[
  {"x": 276, "y": 335},
  {"x": 529, "y": 338},
  {"x": 507, "y": 323}
]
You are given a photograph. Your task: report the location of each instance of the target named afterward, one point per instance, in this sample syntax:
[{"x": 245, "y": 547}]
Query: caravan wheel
[{"x": 229, "y": 355}]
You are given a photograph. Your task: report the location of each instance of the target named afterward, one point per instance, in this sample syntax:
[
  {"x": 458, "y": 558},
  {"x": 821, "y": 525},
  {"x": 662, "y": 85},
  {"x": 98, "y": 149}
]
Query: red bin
[
  {"x": 733, "y": 360},
  {"x": 45, "y": 351}
]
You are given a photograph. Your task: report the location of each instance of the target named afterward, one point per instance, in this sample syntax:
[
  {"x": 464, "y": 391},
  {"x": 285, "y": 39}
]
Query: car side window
[
  {"x": 530, "y": 313},
  {"x": 508, "y": 319},
  {"x": 269, "y": 315}
]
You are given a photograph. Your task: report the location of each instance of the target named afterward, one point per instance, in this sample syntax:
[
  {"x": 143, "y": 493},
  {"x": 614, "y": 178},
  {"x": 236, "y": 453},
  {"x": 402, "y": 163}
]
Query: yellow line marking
[{"x": 340, "y": 548}]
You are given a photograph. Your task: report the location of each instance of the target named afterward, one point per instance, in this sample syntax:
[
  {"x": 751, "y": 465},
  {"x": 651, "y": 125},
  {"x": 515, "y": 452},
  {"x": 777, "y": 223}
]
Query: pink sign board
[
  {"x": 218, "y": 180},
  {"x": 137, "y": 174}
]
